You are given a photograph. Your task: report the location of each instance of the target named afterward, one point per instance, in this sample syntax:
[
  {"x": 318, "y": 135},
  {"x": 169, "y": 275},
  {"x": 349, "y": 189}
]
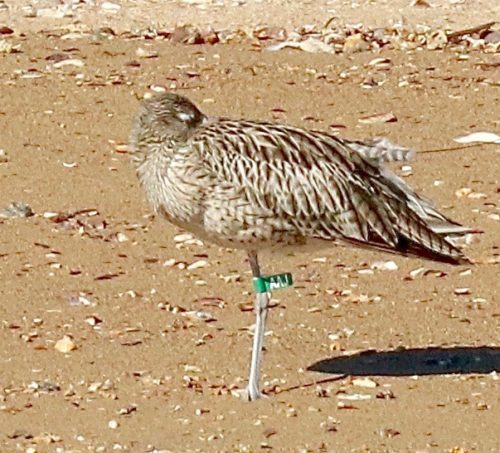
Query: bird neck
[{"x": 163, "y": 151}]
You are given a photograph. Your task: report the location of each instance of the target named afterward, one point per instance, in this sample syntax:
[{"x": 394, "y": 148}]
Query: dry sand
[{"x": 143, "y": 374}]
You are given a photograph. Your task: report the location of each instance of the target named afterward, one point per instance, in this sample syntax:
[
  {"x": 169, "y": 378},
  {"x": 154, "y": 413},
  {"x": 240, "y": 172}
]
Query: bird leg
[{"x": 261, "y": 307}]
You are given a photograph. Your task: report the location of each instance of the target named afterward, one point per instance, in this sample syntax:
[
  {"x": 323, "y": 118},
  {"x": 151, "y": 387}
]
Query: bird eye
[{"x": 185, "y": 116}]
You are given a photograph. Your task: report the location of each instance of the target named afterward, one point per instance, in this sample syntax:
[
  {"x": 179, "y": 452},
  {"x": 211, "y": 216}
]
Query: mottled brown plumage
[{"x": 255, "y": 185}]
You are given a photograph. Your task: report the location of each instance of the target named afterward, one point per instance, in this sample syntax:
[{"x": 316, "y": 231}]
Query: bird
[{"x": 257, "y": 185}]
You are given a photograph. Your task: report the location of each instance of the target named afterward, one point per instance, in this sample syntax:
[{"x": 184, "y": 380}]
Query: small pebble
[
  {"x": 146, "y": 53},
  {"x": 364, "y": 382},
  {"x": 110, "y": 7},
  {"x": 65, "y": 344},
  {"x": 353, "y": 397},
  {"x": 113, "y": 424},
  {"x": 183, "y": 237},
  {"x": 50, "y": 13},
  {"x": 385, "y": 265},
  {"x": 16, "y": 209},
  {"x": 69, "y": 62},
  {"x": 121, "y": 237},
  {"x": 197, "y": 265},
  {"x": 464, "y": 191}
]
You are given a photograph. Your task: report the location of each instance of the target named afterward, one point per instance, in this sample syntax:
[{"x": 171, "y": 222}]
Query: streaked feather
[
  {"x": 324, "y": 187},
  {"x": 382, "y": 150},
  {"x": 259, "y": 184}
]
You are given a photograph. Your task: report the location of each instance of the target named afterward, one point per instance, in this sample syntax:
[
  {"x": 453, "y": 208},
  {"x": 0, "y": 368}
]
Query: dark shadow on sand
[{"x": 409, "y": 362}]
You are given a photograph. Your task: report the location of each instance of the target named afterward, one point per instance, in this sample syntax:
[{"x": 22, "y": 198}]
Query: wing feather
[{"x": 324, "y": 187}]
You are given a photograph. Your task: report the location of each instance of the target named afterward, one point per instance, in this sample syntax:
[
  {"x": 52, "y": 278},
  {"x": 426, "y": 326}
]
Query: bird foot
[{"x": 251, "y": 393}]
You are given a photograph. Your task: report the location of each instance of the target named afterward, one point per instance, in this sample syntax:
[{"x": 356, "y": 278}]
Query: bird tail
[
  {"x": 394, "y": 218},
  {"x": 413, "y": 248},
  {"x": 381, "y": 150}
]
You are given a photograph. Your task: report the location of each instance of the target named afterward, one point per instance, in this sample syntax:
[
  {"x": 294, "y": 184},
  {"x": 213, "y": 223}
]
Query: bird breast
[{"x": 174, "y": 188}]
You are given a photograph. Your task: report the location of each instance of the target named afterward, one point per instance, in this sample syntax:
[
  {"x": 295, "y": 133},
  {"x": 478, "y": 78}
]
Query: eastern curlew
[{"x": 255, "y": 185}]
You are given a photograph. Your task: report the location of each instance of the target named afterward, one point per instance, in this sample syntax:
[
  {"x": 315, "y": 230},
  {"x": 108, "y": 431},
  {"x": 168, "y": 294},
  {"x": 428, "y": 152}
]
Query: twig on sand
[
  {"x": 310, "y": 384},
  {"x": 454, "y": 148},
  {"x": 456, "y": 35}
]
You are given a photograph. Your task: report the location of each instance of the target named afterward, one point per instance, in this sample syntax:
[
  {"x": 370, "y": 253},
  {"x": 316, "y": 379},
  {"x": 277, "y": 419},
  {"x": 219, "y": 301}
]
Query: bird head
[{"x": 162, "y": 122}]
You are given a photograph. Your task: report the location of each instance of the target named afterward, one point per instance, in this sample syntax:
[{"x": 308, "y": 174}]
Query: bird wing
[{"x": 323, "y": 187}]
